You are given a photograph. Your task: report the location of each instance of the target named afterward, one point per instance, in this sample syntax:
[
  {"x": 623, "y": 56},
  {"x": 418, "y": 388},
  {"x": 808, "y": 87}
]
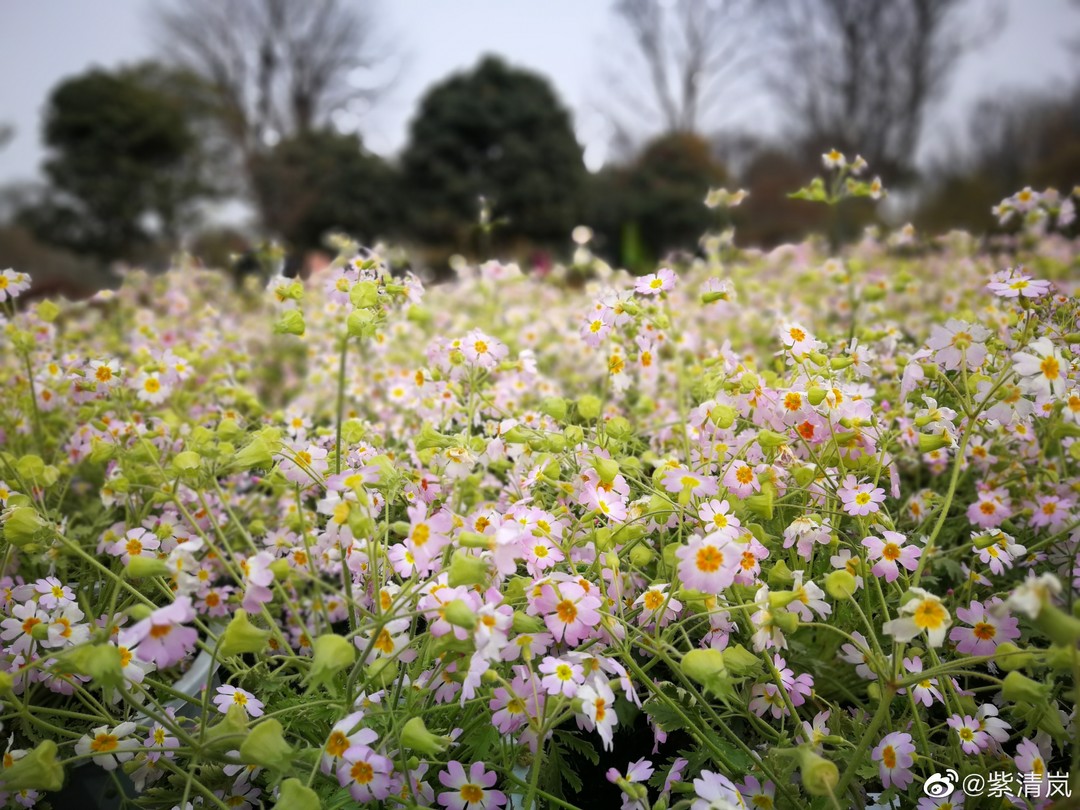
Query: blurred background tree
[
  {"x": 319, "y": 181},
  {"x": 500, "y": 133},
  {"x": 676, "y": 65},
  {"x": 125, "y": 168},
  {"x": 861, "y": 75},
  {"x": 655, "y": 205},
  {"x": 279, "y": 71}
]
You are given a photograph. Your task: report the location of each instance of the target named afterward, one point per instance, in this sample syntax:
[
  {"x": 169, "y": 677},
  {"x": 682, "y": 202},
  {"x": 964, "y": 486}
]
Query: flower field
[{"x": 756, "y": 530}]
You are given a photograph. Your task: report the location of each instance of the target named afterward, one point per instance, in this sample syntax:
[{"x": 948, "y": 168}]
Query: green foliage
[
  {"x": 125, "y": 165},
  {"x": 320, "y": 181},
  {"x": 499, "y": 133}
]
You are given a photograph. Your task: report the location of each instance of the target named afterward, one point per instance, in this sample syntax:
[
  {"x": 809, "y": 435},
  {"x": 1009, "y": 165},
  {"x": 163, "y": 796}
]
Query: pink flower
[
  {"x": 137, "y": 542},
  {"x": 991, "y": 509},
  {"x": 366, "y": 774},
  {"x": 573, "y": 613},
  {"x": 655, "y": 283},
  {"x": 925, "y": 691},
  {"x": 972, "y": 738},
  {"x": 986, "y": 631},
  {"x": 233, "y": 696},
  {"x": 259, "y": 576},
  {"x": 893, "y": 754},
  {"x": 1031, "y": 759},
  {"x": 561, "y": 677},
  {"x": 161, "y": 637},
  {"x": 889, "y": 552},
  {"x": 860, "y": 499},
  {"x": 958, "y": 342},
  {"x": 741, "y": 479},
  {"x": 1014, "y": 283},
  {"x": 708, "y": 564},
  {"x": 717, "y": 517},
  {"x": 679, "y": 480},
  {"x": 469, "y": 792}
]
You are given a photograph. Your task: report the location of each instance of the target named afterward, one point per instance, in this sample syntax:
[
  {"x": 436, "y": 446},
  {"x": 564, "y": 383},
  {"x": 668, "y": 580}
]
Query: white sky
[{"x": 44, "y": 41}]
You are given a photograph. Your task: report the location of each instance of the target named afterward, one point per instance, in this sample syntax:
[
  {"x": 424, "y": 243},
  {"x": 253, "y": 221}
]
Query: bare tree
[
  {"x": 862, "y": 74},
  {"x": 675, "y": 61},
  {"x": 277, "y": 68}
]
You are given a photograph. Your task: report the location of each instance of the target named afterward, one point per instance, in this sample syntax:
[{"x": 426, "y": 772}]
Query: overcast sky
[{"x": 44, "y": 41}]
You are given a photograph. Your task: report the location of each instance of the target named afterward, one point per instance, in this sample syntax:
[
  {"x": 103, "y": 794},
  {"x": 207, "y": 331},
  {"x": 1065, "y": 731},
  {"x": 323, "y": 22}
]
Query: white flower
[
  {"x": 1029, "y": 596},
  {"x": 1044, "y": 371},
  {"x": 924, "y": 612},
  {"x": 108, "y": 747}
]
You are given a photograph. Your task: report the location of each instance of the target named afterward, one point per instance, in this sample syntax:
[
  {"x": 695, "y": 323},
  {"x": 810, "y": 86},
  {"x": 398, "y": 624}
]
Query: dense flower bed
[{"x": 806, "y": 525}]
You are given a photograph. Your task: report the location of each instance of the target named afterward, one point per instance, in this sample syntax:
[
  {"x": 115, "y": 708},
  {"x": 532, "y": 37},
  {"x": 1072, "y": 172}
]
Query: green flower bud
[
  {"x": 257, "y": 453},
  {"x": 265, "y": 746},
  {"x": 740, "y": 661},
  {"x": 364, "y": 295},
  {"x": 574, "y": 435},
  {"x": 523, "y": 623},
  {"x": 21, "y": 525},
  {"x": 840, "y": 585},
  {"x": 787, "y": 622},
  {"x": 295, "y": 795},
  {"x": 467, "y": 569},
  {"x": 840, "y": 363},
  {"x": 140, "y": 567},
  {"x": 606, "y": 468},
  {"x": 280, "y": 569},
  {"x": 1059, "y": 626},
  {"x": 778, "y": 600},
  {"x": 101, "y": 662},
  {"x": 555, "y": 407},
  {"x": 819, "y": 776},
  {"x": 770, "y": 438},
  {"x": 930, "y": 443},
  {"x": 416, "y": 737},
  {"x": 641, "y": 555},
  {"x": 48, "y": 311},
  {"x": 362, "y": 323},
  {"x": 619, "y": 428},
  {"x": 780, "y": 575},
  {"x": 1018, "y": 688},
  {"x": 429, "y": 437},
  {"x": 241, "y": 636},
  {"x": 517, "y": 435},
  {"x": 815, "y": 396},
  {"x": 1010, "y": 658},
  {"x": 331, "y": 654},
  {"x": 381, "y": 672},
  {"x": 7, "y": 683},
  {"x": 226, "y": 735},
  {"x": 589, "y": 407},
  {"x": 37, "y": 770},
  {"x": 763, "y": 503},
  {"x": 703, "y": 666},
  {"x": 291, "y": 322},
  {"x": 459, "y": 614}
]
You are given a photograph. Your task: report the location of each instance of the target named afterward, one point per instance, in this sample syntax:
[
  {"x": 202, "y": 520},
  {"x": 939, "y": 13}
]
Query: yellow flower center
[{"x": 709, "y": 559}]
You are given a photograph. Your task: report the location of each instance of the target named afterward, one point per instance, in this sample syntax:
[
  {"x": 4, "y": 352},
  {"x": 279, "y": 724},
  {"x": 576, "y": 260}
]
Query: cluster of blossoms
[{"x": 765, "y": 521}]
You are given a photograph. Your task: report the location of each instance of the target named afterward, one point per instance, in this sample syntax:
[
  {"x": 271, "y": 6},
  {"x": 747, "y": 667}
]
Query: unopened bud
[
  {"x": 840, "y": 585},
  {"x": 266, "y": 746},
  {"x": 1017, "y": 688},
  {"x": 37, "y": 770},
  {"x": 467, "y": 569},
  {"x": 819, "y": 776},
  {"x": 295, "y": 795},
  {"x": 241, "y": 636},
  {"x": 416, "y": 737}
]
